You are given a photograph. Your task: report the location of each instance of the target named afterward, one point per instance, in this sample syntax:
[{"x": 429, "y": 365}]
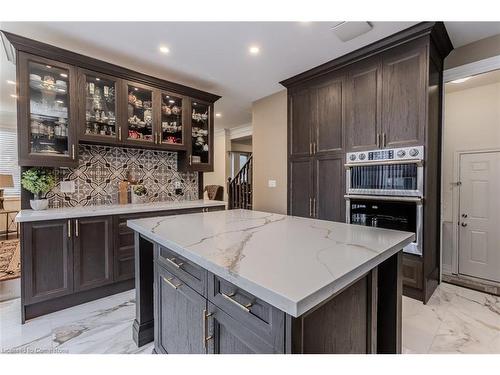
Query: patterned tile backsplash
[{"x": 101, "y": 168}]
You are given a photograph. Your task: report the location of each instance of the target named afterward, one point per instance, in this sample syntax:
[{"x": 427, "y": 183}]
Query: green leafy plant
[
  {"x": 38, "y": 181},
  {"x": 140, "y": 190}
]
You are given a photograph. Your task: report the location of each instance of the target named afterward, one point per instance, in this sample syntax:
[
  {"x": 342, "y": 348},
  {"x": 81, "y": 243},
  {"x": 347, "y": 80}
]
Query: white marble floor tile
[{"x": 455, "y": 320}]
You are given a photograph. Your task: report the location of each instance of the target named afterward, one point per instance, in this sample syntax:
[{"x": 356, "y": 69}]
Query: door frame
[{"x": 456, "y": 202}]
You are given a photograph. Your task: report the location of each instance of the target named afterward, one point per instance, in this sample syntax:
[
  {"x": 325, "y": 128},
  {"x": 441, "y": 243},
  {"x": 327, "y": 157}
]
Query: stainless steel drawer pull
[
  {"x": 77, "y": 229},
  {"x": 69, "y": 228},
  {"x": 205, "y": 337},
  {"x": 172, "y": 262},
  {"x": 243, "y": 307},
  {"x": 169, "y": 282}
]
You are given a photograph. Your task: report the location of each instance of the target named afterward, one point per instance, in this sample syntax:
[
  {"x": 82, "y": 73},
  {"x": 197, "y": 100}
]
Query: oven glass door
[
  {"x": 385, "y": 179},
  {"x": 402, "y": 216}
]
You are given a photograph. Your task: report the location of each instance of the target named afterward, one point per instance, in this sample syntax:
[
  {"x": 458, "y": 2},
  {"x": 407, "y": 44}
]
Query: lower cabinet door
[
  {"x": 225, "y": 335},
  {"x": 300, "y": 182},
  {"x": 179, "y": 316},
  {"x": 93, "y": 252},
  {"x": 47, "y": 256}
]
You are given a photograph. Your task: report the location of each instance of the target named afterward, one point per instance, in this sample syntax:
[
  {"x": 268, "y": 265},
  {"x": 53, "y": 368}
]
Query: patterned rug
[{"x": 10, "y": 259}]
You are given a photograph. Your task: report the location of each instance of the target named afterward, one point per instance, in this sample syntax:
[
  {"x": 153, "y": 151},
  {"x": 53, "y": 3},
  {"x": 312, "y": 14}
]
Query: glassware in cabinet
[
  {"x": 140, "y": 114},
  {"x": 172, "y": 127},
  {"x": 99, "y": 93},
  {"x": 200, "y": 133}
]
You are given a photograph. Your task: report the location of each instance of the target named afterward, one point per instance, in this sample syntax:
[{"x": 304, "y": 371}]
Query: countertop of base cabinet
[
  {"x": 114, "y": 209},
  {"x": 290, "y": 262}
]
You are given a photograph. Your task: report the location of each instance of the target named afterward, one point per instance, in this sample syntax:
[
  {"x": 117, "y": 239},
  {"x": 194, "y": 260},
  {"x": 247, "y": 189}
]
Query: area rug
[{"x": 10, "y": 259}]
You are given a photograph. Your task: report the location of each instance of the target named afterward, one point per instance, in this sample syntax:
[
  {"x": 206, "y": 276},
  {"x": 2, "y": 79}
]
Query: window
[{"x": 8, "y": 160}]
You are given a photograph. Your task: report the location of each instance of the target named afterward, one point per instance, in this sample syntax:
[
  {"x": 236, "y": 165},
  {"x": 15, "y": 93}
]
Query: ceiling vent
[{"x": 346, "y": 31}]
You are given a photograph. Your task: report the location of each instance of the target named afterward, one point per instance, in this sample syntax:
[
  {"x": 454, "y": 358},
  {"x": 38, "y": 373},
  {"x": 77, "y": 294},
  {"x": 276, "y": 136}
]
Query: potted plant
[
  {"x": 38, "y": 181},
  {"x": 139, "y": 194}
]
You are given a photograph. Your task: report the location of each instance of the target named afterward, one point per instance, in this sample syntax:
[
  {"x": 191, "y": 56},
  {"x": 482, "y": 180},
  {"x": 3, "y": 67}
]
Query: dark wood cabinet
[
  {"x": 230, "y": 336},
  {"x": 180, "y": 322},
  {"x": 329, "y": 187},
  {"x": 93, "y": 252},
  {"x": 404, "y": 95},
  {"x": 391, "y": 97},
  {"x": 300, "y": 180},
  {"x": 66, "y": 98},
  {"x": 363, "y": 106},
  {"x": 47, "y": 112},
  {"x": 328, "y": 126},
  {"x": 47, "y": 260}
]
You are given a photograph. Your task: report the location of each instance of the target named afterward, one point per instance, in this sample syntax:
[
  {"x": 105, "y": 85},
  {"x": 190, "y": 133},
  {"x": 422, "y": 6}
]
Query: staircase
[{"x": 239, "y": 189}]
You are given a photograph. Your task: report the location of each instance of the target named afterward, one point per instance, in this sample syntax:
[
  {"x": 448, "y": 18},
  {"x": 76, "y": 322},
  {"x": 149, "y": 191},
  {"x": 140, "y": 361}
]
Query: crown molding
[
  {"x": 241, "y": 131},
  {"x": 473, "y": 68}
]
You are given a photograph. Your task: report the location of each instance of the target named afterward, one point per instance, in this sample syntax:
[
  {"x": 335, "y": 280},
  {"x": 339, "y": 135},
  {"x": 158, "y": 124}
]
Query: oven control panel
[{"x": 405, "y": 153}]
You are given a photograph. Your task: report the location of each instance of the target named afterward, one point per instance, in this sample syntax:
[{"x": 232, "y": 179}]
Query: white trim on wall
[
  {"x": 241, "y": 131},
  {"x": 476, "y": 67}
]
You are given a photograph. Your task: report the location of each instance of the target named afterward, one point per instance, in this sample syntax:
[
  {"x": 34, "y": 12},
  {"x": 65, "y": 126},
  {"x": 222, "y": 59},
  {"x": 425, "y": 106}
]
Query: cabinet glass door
[
  {"x": 140, "y": 114},
  {"x": 49, "y": 109},
  {"x": 171, "y": 120},
  {"x": 200, "y": 128},
  {"x": 100, "y": 107}
]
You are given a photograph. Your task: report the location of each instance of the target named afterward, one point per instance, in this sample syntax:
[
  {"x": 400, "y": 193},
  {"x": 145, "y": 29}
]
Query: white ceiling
[{"x": 213, "y": 56}]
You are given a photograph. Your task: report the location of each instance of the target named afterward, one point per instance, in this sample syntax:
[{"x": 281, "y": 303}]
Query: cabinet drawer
[
  {"x": 412, "y": 271},
  {"x": 260, "y": 317},
  {"x": 188, "y": 272}
]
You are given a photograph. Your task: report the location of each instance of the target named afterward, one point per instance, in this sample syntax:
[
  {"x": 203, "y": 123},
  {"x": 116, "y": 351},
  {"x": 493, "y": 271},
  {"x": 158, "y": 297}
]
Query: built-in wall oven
[{"x": 384, "y": 188}]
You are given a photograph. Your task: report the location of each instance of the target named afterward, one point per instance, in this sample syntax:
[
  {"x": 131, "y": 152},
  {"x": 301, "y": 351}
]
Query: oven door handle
[
  {"x": 384, "y": 198},
  {"x": 420, "y": 163}
]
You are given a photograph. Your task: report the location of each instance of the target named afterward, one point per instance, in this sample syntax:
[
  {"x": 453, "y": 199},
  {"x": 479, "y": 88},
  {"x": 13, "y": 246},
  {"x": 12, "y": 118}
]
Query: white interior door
[{"x": 479, "y": 222}]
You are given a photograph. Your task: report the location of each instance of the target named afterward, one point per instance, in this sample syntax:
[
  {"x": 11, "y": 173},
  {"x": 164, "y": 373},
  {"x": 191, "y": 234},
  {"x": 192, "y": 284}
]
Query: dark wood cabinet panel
[
  {"x": 328, "y": 130},
  {"x": 412, "y": 271},
  {"x": 302, "y": 116},
  {"x": 93, "y": 252},
  {"x": 47, "y": 260},
  {"x": 179, "y": 316},
  {"x": 363, "y": 90},
  {"x": 329, "y": 178},
  {"x": 230, "y": 336},
  {"x": 404, "y": 95},
  {"x": 300, "y": 191}
]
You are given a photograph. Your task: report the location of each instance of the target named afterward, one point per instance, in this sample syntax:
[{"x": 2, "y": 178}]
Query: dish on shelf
[{"x": 49, "y": 86}]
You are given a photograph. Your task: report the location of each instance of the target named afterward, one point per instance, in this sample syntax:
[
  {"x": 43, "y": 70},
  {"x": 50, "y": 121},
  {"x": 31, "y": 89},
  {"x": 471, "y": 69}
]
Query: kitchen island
[{"x": 244, "y": 281}]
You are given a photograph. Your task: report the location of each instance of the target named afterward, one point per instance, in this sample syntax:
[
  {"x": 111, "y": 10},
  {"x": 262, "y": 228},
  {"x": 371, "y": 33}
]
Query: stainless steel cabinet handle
[
  {"x": 206, "y": 338},
  {"x": 172, "y": 262},
  {"x": 69, "y": 228},
  {"x": 310, "y": 148},
  {"x": 77, "y": 230},
  {"x": 190, "y": 159},
  {"x": 73, "y": 151},
  {"x": 378, "y": 140},
  {"x": 315, "y": 148},
  {"x": 314, "y": 207},
  {"x": 310, "y": 206},
  {"x": 120, "y": 134},
  {"x": 243, "y": 307},
  {"x": 169, "y": 282},
  {"x": 383, "y": 140}
]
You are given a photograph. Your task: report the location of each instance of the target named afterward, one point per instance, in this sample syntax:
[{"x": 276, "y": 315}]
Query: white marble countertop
[
  {"x": 114, "y": 209},
  {"x": 291, "y": 263}
]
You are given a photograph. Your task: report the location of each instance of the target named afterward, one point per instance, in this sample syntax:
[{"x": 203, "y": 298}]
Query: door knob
[
  {"x": 464, "y": 224},
  {"x": 464, "y": 215}
]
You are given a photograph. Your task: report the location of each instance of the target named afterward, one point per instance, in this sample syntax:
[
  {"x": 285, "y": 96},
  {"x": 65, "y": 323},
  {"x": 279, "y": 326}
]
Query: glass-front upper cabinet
[
  {"x": 172, "y": 123},
  {"x": 99, "y": 96},
  {"x": 201, "y": 135},
  {"x": 140, "y": 115},
  {"x": 46, "y": 112}
]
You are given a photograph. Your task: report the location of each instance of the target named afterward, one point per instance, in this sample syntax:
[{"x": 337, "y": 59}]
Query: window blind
[{"x": 8, "y": 160}]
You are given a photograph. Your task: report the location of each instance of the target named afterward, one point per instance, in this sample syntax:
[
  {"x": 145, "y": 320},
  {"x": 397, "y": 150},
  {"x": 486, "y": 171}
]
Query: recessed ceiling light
[
  {"x": 136, "y": 89},
  {"x": 254, "y": 50},
  {"x": 97, "y": 79},
  {"x": 164, "y": 49},
  {"x": 48, "y": 66},
  {"x": 13, "y": 96},
  {"x": 63, "y": 75},
  {"x": 11, "y": 82},
  {"x": 218, "y": 115},
  {"x": 461, "y": 80}
]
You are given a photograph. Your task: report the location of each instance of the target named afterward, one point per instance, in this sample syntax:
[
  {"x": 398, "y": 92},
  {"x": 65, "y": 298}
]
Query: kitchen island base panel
[{"x": 143, "y": 327}]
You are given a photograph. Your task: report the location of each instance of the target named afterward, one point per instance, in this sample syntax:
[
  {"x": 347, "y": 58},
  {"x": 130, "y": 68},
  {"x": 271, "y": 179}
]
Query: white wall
[
  {"x": 269, "y": 141},
  {"x": 471, "y": 122}
]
